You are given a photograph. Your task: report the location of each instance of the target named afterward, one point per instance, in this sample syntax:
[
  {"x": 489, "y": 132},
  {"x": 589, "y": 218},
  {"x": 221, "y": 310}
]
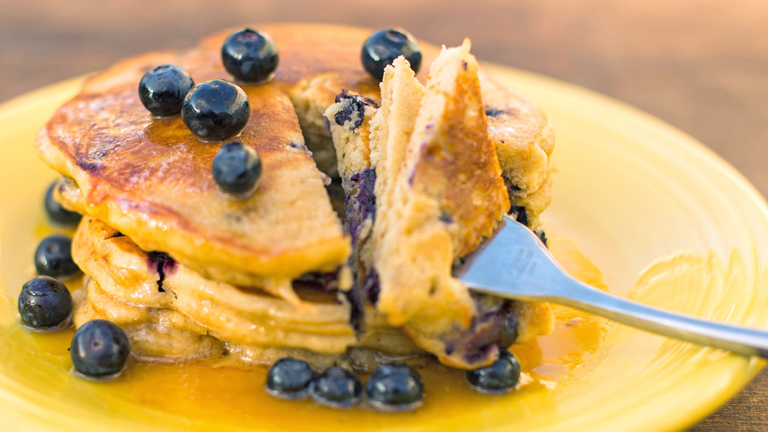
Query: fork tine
[{"x": 513, "y": 257}]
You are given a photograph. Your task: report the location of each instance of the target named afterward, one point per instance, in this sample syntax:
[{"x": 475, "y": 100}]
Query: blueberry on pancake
[{"x": 249, "y": 55}]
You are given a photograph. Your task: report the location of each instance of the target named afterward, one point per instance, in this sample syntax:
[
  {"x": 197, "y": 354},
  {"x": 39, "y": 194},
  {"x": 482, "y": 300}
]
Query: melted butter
[{"x": 197, "y": 392}]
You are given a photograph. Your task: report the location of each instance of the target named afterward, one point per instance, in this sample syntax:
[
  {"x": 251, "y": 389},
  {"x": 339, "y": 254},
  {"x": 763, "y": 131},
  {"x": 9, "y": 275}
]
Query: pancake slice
[
  {"x": 433, "y": 147},
  {"x": 441, "y": 192},
  {"x": 350, "y": 122}
]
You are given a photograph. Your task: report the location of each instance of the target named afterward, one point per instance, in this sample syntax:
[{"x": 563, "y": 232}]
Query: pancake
[
  {"x": 173, "y": 313},
  {"x": 151, "y": 178},
  {"x": 148, "y": 182}
]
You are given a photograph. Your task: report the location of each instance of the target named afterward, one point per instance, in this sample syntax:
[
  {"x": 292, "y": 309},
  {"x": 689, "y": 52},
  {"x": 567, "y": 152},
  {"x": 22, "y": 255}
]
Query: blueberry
[
  {"x": 352, "y": 112},
  {"x": 100, "y": 349},
  {"x": 236, "y": 168},
  {"x": 249, "y": 55},
  {"x": 384, "y": 46},
  {"x": 162, "y": 89},
  {"x": 395, "y": 387},
  {"x": 53, "y": 257},
  {"x": 498, "y": 378},
  {"x": 44, "y": 303},
  {"x": 289, "y": 378},
  {"x": 337, "y": 388},
  {"x": 56, "y": 212},
  {"x": 216, "y": 110}
]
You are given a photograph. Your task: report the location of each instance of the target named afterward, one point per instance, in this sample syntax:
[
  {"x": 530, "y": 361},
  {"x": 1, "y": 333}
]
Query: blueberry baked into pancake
[{"x": 209, "y": 233}]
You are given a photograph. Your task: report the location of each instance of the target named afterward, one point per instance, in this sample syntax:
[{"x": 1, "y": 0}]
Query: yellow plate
[{"x": 668, "y": 222}]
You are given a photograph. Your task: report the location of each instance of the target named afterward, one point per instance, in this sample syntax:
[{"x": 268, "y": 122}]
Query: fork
[{"x": 515, "y": 264}]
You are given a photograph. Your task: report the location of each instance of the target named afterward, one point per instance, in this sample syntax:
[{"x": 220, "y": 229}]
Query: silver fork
[{"x": 515, "y": 264}]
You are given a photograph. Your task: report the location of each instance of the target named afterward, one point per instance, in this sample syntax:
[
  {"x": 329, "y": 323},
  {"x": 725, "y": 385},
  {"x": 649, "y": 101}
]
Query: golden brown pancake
[
  {"x": 151, "y": 179},
  {"x": 173, "y": 313}
]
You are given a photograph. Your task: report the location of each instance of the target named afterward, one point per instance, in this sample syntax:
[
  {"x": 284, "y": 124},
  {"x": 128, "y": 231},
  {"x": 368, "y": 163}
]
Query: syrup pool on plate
[{"x": 196, "y": 392}]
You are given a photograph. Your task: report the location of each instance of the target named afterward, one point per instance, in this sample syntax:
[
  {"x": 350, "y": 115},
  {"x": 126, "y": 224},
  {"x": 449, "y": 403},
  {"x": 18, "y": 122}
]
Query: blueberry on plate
[
  {"x": 498, "y": 378},
  {"x": 236, "y": 168},
  {"x": 336, "y": 388},
  {"x": 162, "y": 89},
  {"x": 395, "y": 387},
  {"x": 216, "y": 110},
  {"x": 249, "y": 55},
  {"x": 53, "y": 257},
  {"x": 56, "y": 212},
  {"x": 100, "y": 349},
  {"x": 384, "y": 46},
  {"x": 45, "y": 304},
  {"x": 289, "y": 378}
]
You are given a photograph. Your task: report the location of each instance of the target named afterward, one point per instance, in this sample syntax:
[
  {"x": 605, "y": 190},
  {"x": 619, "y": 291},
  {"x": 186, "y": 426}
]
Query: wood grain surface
[{"x": 699, "y": 65}]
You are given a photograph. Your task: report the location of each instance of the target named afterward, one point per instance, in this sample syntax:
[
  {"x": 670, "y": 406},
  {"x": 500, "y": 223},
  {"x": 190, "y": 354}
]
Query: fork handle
[{"x": 741, "y": 340}]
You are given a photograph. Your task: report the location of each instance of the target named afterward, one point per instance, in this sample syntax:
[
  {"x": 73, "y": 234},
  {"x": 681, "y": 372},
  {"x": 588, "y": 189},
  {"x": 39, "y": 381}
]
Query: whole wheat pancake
[
  {"x": 150, "y": 182},
  {"x": 424, "y": 187},
  {"x": 151, "y": 178},
  {"x": 174, "y": 313}
]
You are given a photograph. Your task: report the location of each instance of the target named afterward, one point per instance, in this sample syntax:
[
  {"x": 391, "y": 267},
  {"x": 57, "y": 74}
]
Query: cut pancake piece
[
  {"x": 440, "y": 192},
  {"x": 155, "y": 298},
  {"x": 354, "y": 126},
  {"x": 350, "y": 122},
  {"x": 151, "y": 179},
  {"x": 494, "y": 321},
  {"x": 450, "y": 157}
]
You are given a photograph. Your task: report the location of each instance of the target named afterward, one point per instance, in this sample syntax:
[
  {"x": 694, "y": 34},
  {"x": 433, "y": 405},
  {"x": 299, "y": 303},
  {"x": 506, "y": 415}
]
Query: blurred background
[{"x": 701, "y": 65}]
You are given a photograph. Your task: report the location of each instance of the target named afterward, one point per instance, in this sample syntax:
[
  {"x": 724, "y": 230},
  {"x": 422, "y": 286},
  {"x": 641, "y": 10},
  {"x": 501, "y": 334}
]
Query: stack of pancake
[{"x": 190, "y": 272}]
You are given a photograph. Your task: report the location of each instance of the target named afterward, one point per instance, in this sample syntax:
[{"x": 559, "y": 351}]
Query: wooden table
[{"x": 699, "y": 65}]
